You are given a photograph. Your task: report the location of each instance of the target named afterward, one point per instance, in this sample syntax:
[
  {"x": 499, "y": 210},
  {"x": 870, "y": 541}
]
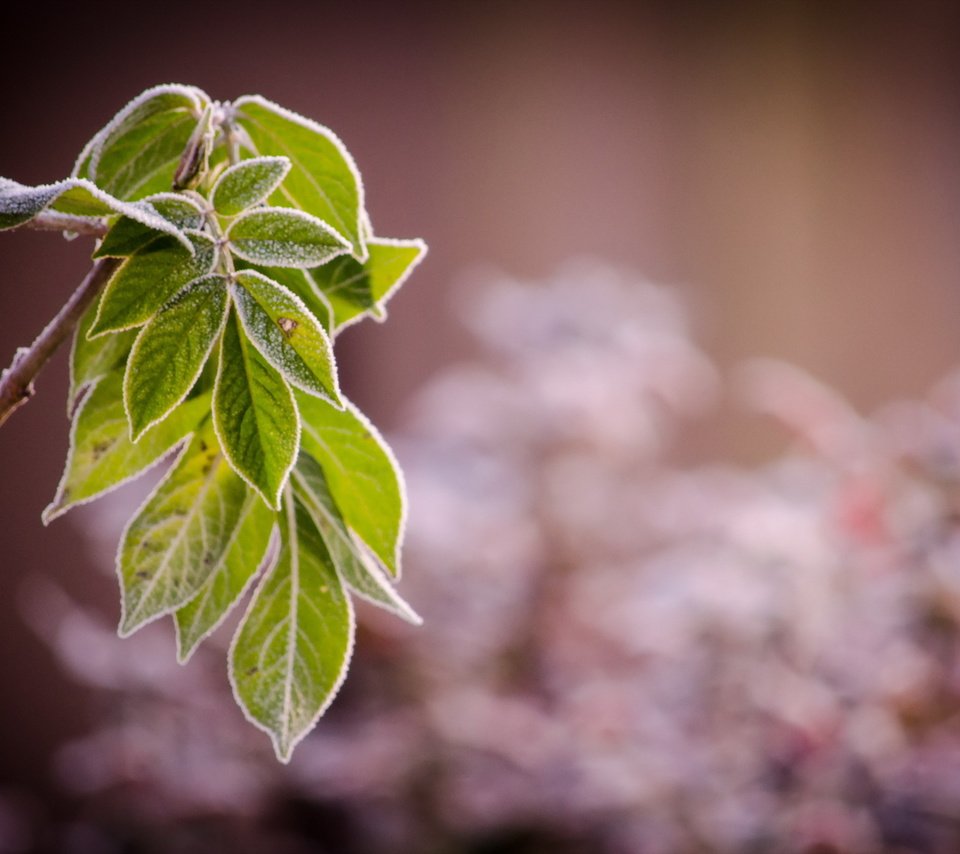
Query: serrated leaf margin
[{"x": 334, "y": 688}]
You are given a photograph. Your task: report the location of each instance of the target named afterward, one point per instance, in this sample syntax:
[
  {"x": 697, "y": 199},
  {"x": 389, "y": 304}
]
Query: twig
[
  {"x": 16, "y": 382},
  {"x": 56, "y": 221}
]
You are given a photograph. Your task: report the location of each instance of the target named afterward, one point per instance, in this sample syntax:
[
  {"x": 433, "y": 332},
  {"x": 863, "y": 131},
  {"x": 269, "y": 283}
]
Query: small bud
[{"x": 194, "y": 160}]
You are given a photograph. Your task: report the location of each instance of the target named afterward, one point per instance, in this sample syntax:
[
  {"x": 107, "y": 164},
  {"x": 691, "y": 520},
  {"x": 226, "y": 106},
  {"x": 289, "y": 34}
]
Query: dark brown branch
[{"x": 16, "y": 382}]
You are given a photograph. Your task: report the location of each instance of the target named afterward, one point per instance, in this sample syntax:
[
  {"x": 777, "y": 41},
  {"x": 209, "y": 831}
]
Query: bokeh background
[{"x": 657, "y": 621}]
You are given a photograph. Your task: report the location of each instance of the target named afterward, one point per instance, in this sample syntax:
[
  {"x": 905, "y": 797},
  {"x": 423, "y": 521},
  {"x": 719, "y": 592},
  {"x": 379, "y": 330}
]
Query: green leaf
[
  {"x": 291, "y": 651},
  {"x": 150, "y": 277},
  {"x": 354, "y": 288},
  {"x": 126, "y": 236},
  {"x": 286, "y": 334},
  {"x": 181, "y": 534},
  {"x": 255, "y": 415},
  {"x": 244, "y": 556},
  {"x": 81, "y": 168},
  {"x": 323, "y": 181},
  {"x": 77, "y": 197},
  {"x": 91, "y": 359},
  {"x": 171, "y": 350},
  {"x": 247, "y": 183},
  {"x": 362, "y": 474},
  {"x": 283, "y": 237},
  {"x": 137, "y": 153},
  {"x": 101, "y": 455},
  {"x": 299, "y": 283},
  {"x": 352, "y": 563}
]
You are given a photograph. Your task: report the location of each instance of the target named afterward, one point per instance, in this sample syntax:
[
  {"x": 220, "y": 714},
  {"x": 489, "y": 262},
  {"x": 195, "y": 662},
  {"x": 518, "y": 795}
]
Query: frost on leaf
[
  {"x": 126, "y": 236},
  {"x": 323, "y": 181},
  {"x": 148, "y": 278},
  {"x": 171, "y": 350},
  {"x": 102, "y": 456},
  {"x": 91, "y": 359},
  {"x": 281, "y": 237},
  {"x": 255, "y": 415},
  {"x": 241, "y": 559},
  {"x": 243, "y": 245},
  {"x": 138, "y": 151},
  {"x": 78, "y": 197},
  {"x": 286, "y": 334},
  {"x": 247, "y": 183},
  {"x": 355, "y": 289},
  {"x": 181, "y": 535},
  {"x": 362, "y": 474},
  {"x": 354, "y": 565},
  {"x": 290, "y": 653},
  {"x": 302, "y": 286}
]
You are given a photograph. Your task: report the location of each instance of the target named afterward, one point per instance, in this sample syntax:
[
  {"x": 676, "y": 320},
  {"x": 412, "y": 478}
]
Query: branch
[
  {"x": 56, "y": 221},
  {"x": 16, "y": 382}
]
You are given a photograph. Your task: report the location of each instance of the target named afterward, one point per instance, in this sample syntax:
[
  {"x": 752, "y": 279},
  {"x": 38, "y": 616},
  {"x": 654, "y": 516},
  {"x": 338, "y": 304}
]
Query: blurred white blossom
[{"x": 620, "y": 654}]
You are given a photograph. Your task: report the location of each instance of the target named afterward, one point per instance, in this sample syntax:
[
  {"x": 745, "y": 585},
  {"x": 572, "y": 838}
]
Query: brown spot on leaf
[
  {"x": 287, "y": 324},
  {"x": 142, "y": 573},
  {"x": 250, "y": 671},
  {"x": 100, "y": 448}
]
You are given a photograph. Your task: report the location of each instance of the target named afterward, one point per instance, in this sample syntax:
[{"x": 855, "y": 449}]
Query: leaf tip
[
  {"x": 411, "y": 616},
  {"x": 184, "y": 654},
  {"x": 136, "y": 429},
  {"x": 274, "y": 503},
  {"x": 96, "y": 330},
  {"x": 283, "y": 749},
  {"x": 127, "y": 626},
  {"x": 51, "y": 512}
]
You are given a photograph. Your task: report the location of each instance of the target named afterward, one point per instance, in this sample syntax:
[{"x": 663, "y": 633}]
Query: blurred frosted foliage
[{"x": 620, "y": 654}]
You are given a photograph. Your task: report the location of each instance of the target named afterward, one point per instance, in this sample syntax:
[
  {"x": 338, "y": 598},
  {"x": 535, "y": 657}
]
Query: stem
[
  {"x": 16, "y": 382},
  {"x": 232, "y": 143},
  {"x": 225, "y": 121},
  {"x": 56, "y": 221},
  {"x": 224, "y": 258}
]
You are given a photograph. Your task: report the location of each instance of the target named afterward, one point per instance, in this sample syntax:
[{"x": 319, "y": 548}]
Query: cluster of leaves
[{"x": 241, "y": 248}]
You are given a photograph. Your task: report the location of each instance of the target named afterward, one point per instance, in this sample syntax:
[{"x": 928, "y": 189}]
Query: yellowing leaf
[{"x": 181, "y": 534}]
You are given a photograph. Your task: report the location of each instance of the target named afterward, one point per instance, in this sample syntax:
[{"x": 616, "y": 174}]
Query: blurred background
[{"x": 674, "y": 392}]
